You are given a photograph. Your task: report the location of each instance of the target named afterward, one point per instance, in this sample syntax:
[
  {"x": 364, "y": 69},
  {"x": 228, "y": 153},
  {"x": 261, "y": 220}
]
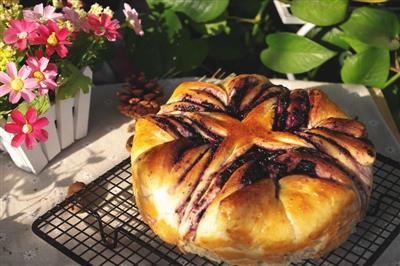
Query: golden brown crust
[
  {"x": 347, "y": 126},
  {"x": 322, "y": 108},
  {"x": 248, "y": 172}
]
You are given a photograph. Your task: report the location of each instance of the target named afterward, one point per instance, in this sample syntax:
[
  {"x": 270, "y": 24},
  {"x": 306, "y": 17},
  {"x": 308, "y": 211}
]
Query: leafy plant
[
  {"x": 370, "y": 67},
  {"x": 72, "y": 81},
  {"x": 40, "y": 103},
  {"x": 290, "y": 53},
  {"x": 186, "y": 36},
  {"x": 167, "y": 40},
  {"x": 321, "y": 13},
  {"x": 193, "y": 36},
  {"x": 199, "y": 11},
  {"x": 378, "y": 28},
  {"x": 351, "y": 42},
  {"x": 367, "y": 38}
]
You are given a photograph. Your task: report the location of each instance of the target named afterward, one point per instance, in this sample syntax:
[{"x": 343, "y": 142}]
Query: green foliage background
[{"x": 351, "y": 43}]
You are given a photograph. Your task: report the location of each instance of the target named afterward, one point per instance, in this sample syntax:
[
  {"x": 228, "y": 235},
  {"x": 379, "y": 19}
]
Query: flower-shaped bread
[{"x": 250, "y": 172}]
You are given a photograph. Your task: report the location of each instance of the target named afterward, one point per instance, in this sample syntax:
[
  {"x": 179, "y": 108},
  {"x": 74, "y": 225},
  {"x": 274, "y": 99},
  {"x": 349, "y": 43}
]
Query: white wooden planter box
[{"x": 68, "y": 121}]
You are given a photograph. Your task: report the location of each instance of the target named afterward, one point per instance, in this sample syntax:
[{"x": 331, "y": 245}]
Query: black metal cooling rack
[{"x": 109, "y": 230}]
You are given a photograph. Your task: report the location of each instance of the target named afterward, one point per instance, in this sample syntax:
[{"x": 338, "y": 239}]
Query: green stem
[
  {"x": 244, "y": 20},
  {"x": 256, "y": 20},
  {"x": 391, "y": 80},
  {"x": 258, "y": 17}
]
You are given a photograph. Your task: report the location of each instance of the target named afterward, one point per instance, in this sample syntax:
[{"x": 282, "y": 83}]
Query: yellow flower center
[
  {"x": 27, "y": 128},
  {"x": 17, "y": 84},
  {"x": 52, "y": 39},
  {"x": 22, "y": 35},
  {"x": 38, "y": 75}
]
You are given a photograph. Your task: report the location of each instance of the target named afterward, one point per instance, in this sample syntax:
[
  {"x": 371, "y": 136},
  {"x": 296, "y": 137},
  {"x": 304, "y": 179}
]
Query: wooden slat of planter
[
  {"x": 82, "y": 107},
  {"x": 52, "y": 146},
  {"x": 65, "y": 121}
]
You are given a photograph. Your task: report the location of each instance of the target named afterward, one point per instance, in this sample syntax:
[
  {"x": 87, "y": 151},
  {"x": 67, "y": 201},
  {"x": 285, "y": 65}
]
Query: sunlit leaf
[
  {"x": 334, "y": 36},
  {"x": 72, "y": 82},
  {"x": 40, "y": 103},
  {"x": 290, "y": 53},
  {"x": 198, "y": 10},
  {"x": 320, "y": 12},
  {"x": 355, "y": 44},
  {"x": 377, "y": 27},
  {"x": 370, "y": 67}
]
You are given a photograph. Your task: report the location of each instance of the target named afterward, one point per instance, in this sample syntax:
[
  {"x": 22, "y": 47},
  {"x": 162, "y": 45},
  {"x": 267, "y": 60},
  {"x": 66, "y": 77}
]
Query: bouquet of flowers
[{"x": 42, "y": 51}]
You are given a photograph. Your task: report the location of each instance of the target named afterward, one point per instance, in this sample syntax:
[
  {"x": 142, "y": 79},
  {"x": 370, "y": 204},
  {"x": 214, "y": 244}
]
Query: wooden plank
[
  {"x": 65, "y": 121},
  {"x": 52, "y": 146},
  {"x": 82, "y": 108}
]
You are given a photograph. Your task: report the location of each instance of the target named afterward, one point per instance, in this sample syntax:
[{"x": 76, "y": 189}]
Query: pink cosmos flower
[
  {"x": 17, "y": 84},
  {"x": 132, "y": 17},
  {"x": 54, "y": 38},
  {"x": 27, "y": 128},
  {"x": 44, "y": 73},
  {"x": 104, "y": 26},
  {"x": 41, "y": 14},
  {"x": 20, "y": 33}
]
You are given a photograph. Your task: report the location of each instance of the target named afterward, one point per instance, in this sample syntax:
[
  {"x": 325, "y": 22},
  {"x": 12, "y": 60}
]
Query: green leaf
[
  {"x": 345, "y": 41},
  {"x": 377, "y": 27},
  {"x": 186, "y": 59},
  {"x": 5, "y": 106},
  {"x": 355, "y": 44},
  {"x": 320, "y": 12},
  {"x": 197, "y": 10},
  {"x": 214, "y": 27},
  {"x": 73, "y": 80},
  {"x": 290, "y": 53},
  {"x": 370, "y": 67},
  {"x": 371, "y": 1},
  {"x": 172, "y": 24},
  {"x": 40, "y": 103},
  {"x": 334, "y": 36}
]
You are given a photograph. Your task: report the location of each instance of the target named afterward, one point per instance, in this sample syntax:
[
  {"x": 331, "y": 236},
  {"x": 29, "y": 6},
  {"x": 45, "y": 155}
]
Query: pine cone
[{"x": 140, "y": 96}]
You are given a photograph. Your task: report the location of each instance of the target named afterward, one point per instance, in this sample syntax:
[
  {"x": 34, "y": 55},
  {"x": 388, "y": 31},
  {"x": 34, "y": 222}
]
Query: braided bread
[{"x": 249, "y": 172}]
